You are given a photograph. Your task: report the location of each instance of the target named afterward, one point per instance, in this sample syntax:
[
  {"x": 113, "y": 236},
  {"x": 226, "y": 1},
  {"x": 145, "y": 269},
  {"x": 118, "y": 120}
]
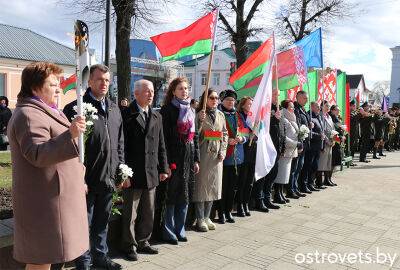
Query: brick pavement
[{"x": 360, "y": 214}]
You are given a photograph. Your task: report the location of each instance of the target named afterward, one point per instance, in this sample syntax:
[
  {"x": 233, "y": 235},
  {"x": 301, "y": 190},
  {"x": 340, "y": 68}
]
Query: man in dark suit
[
  {"x": 354, "y": 128},
  {"x": 104, "y": 151},
  {"x": 146, "y": 154},
  {"x": 316, "y": 145},
  {"x": 367, "y": 131},
  {"x": 303, "y": 118}
]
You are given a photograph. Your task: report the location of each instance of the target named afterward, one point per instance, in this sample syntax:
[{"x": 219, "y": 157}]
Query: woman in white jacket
[{"x": 290, "y": 134}]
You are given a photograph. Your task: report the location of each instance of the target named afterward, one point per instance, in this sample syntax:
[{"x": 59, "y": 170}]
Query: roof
[
  {"x": 252, "y": 46},
  {"x": 354, "y": 80},
  {"x": 24, "y": 44}
]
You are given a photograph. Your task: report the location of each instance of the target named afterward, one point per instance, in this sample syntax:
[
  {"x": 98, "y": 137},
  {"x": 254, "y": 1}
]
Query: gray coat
[
  {"x": 208, "y": 184},
  {"x": 325, "y": 158}
]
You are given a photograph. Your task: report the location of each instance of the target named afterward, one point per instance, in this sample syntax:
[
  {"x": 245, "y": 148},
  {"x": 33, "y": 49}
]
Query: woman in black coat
[
  {"x": 5, "y": 115},
  {"x": 181, "y": 141},
  {"x": 337, "y": 153}
]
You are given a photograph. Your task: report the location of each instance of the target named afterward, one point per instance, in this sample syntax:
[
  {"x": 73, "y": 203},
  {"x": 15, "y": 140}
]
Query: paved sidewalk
[{"x": 361, "y": 214}]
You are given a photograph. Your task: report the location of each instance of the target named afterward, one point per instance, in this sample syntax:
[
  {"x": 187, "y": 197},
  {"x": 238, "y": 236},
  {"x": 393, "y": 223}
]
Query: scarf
[
  {"x": 212, "y": 114},
  {"x": 185, "y": 123},
  {"x": 51, "y": 106}
]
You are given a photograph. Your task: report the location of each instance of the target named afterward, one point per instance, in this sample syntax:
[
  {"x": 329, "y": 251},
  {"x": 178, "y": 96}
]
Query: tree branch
[
  {"x": 229, "y": 29},
  {"x": 252, "y": 11}
]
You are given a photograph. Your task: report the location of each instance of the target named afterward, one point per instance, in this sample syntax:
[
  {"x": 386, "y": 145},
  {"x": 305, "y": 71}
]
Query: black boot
[
  {"x": 260, "y": 206},
  {"x": 246, "y": 209},
  {"x": 270, "y": 205},
  {"x": 381, "y": 152},
  {"x": 240, "y": 210},
  {"x": 374, "y": 154},
  {"x": 326, "y": 180},
  {"x": 229, "y": 217},
  {"x": 221, "y": 217},
  {"x": 290, "y": 194},
  {"x": 277, "y": 195},
  {"x": 330, "y": 179},
  {"x": 283, "y": 195},
  {"x": 318, "y": 181}
]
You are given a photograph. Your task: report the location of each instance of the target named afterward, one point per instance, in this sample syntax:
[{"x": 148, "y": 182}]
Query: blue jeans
[
  {"x": 98, "y": 209},
  {"x": 174, "y": 221},
  {"x": 297, "y": 171},
  {"x": 292, "y": 185}
]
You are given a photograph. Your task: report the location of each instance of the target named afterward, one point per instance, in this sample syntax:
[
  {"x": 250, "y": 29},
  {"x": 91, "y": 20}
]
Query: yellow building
[{"x": 18, "y": 48}]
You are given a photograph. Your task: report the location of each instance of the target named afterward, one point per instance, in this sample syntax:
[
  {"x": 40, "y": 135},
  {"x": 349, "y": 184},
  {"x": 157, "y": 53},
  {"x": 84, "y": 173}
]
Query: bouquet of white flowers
[
  {"x": 124, "y": 172},
  {"x": 303, "y": 132},
  {"x": 90, "y": 114}
]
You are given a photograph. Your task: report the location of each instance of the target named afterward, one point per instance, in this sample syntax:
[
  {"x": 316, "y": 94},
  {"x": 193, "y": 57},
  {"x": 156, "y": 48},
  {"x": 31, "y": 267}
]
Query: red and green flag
[
  {"x": 68, "y": 83},
  {"x": 194, "y": 39},
  {"x": 247, "y": 77},
  {"x": 291, "y": 69}
]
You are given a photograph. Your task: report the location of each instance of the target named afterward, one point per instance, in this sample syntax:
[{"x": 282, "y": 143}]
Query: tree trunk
[
  {"x": 124, "y": 11},
  {"x": 241, "y": 50}
]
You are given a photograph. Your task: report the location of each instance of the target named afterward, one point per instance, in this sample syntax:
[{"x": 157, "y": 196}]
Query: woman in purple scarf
[{"x": 183, "y": 157}]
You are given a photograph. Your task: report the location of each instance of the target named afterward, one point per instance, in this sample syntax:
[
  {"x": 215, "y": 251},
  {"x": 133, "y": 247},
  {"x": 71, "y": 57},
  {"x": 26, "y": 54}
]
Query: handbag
[{"x": 3, "y": 139}]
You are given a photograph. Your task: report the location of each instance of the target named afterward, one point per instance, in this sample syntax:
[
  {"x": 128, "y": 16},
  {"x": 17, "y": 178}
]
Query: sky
[{"x": 360, "y": 45}]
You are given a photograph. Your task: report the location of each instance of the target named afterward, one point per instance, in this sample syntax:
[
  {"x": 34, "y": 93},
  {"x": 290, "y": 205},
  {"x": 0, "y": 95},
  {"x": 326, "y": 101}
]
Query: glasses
[{"x": 213, "y": 98}]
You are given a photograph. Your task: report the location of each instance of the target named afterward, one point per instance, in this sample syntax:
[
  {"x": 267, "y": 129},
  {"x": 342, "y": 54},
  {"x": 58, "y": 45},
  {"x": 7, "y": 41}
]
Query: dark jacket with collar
[
  {"x": 302, "y": 118},
  {"x": 316, "y": 141},
  {"x": 145, "y": 150},
  {"x": 104, "y": 148},
  {"x": 274, "y": 130}
]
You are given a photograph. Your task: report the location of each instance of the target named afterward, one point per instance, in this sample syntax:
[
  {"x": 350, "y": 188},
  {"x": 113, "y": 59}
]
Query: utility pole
[{"x": 107, "y": 39}]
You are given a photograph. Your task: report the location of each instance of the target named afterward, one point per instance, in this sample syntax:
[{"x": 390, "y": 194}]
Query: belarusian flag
[
  {"x": 292, "y": 70},
  {"x": 194, "y": 39},
  {"x": 68, "y": 84},
  {"x": 247, "y": 77}
]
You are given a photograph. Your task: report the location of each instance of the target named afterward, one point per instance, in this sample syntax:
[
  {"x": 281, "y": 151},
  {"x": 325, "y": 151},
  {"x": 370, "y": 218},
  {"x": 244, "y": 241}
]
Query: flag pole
[{"x": 210, "y": 61}]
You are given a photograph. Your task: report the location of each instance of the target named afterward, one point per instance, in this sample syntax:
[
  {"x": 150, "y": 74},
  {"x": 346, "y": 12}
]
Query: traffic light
[{"x": 232, "y": 67}]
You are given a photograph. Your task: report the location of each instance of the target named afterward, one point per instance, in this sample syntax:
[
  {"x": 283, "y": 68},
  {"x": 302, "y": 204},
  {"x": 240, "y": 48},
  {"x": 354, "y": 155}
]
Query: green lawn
[{"x": 5, "y": 170}]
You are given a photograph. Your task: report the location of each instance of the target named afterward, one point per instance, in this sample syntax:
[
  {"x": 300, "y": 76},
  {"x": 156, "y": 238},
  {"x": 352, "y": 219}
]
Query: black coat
[
  {"x": 316, "y": 141},
  {"x": 274, "y": 131},
  {"x": 337, "y": 154},
  {"x": 104, "y": 148},
  {"x": 380, "y": 125},
  {"x": 366, "y": 128},
  {"x": 5, "y": 115},
  {"x": 354, "y": 125},
  {"x": 145, "y": 149},
  {"x": 179, "y": 188},
  {"x": 303, "y": 118}
]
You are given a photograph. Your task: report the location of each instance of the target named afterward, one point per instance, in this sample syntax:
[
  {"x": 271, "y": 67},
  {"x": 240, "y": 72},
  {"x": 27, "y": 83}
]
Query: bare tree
[
  {"x": 140, "y": 12},
  {"x": 239, "y": 28},
  {"x": 300, "y": 17}
]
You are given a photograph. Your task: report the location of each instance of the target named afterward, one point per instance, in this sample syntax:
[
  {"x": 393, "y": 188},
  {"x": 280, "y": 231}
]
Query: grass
[{"x": 5, "y": 170}]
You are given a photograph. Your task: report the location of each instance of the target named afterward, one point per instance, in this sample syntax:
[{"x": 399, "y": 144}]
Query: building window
[
  {"x": 189, "y": 76},
  {"x": 216, "y": 78},
  {"x": 203, "y": 78},
  {"x": 216, "y": 61},
  {"x": 2, "y": 84},
  {"x": 228, "y": 75}
]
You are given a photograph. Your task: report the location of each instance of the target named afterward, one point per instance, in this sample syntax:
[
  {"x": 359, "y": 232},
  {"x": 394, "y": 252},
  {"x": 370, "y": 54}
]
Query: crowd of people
[{"x": 193, "y": 164}]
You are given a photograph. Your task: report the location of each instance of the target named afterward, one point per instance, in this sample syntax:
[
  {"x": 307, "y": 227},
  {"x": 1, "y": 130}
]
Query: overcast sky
[{"x": 361, "y": 45}]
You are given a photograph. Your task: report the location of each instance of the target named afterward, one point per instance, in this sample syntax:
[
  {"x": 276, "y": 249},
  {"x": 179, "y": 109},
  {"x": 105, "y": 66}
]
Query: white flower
[
  {"x": 303, "y": 132},
  {"x": 125, "y": 171},
  {"x": 89, "y": 111}
]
